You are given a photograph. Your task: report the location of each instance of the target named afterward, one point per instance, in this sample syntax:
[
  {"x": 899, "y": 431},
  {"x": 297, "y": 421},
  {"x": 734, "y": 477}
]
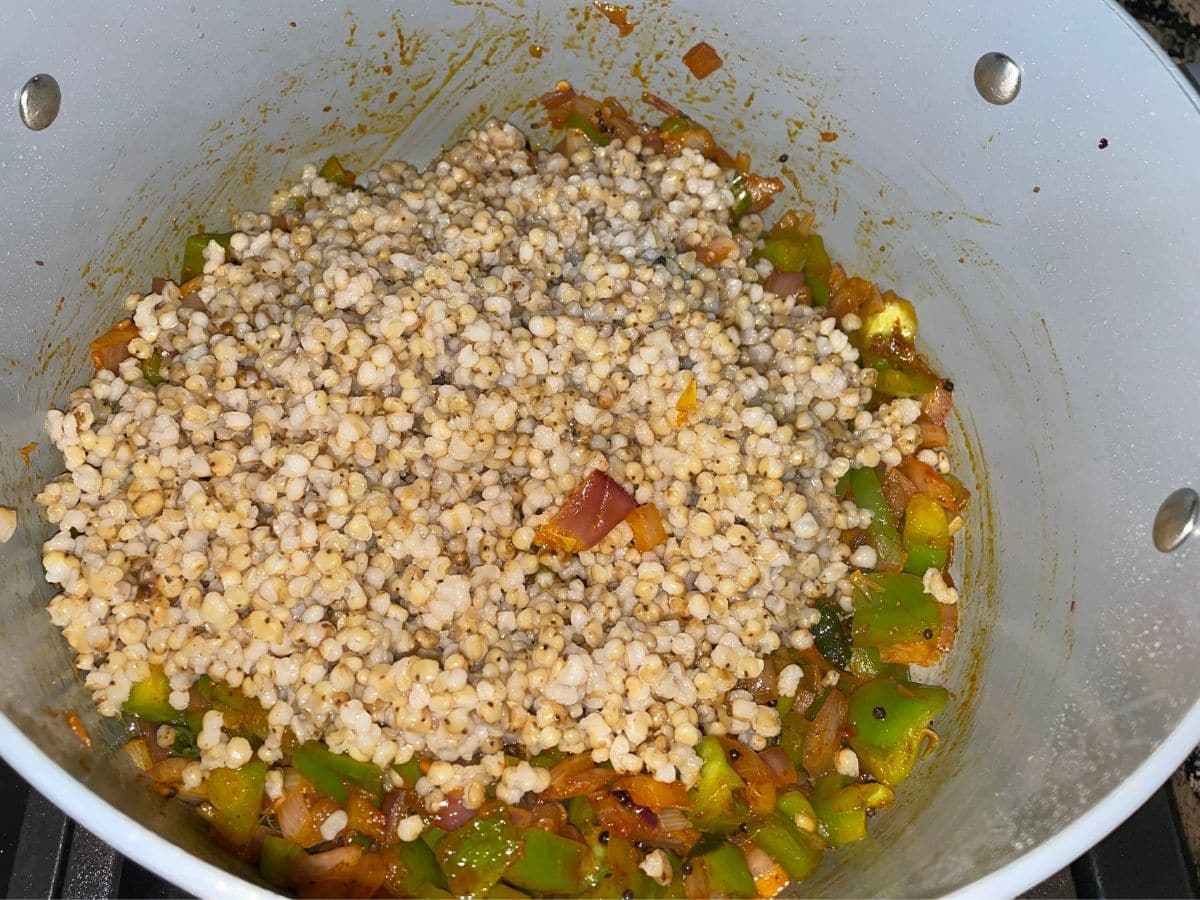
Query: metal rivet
[
  {"x": 1176, "y": 519},
  {"x": 997, "y": 78},
  {"x": 39, "y": 102}
]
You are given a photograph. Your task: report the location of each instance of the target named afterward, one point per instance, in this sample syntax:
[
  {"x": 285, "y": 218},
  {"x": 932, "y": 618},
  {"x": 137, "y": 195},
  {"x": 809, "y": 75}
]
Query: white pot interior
[{"x": 1053, "y": 279}]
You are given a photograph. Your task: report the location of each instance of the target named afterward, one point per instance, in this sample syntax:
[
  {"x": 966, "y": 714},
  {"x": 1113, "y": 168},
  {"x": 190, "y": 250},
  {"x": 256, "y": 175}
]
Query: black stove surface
[{"x": 44, "y": 854}]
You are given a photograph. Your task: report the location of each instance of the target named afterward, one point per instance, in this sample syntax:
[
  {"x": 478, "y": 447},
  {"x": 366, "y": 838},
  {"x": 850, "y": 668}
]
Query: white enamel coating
[{"x": 1065, "y": 314}]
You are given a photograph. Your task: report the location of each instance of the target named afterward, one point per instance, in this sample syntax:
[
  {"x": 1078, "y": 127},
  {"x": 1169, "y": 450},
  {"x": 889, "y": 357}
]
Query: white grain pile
[{"x": 331, "y": 503}]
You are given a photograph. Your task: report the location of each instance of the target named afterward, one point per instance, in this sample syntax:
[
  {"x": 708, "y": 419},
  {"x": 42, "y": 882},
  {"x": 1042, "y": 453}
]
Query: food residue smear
[
  {"x": 702, "y": 60},
  {"x": 829, "y": 136},
  {"x": 78, "y": 729},
  {"x": 27, "y": 451},
  {"x": 536, "y": 50},
  {"x": 618, "y": 15}
]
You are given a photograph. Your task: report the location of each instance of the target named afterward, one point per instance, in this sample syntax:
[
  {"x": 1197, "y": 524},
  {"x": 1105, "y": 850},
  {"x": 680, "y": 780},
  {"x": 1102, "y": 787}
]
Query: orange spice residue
[
  {"x": 829, "y": 136},
  {"x": 76, "y": 725},
  {"x": 702, "y": 60},
  {"x": 536, "y": 50},
  {"x": 27, "y": 451},
  {"x": 618, "y": 15}
]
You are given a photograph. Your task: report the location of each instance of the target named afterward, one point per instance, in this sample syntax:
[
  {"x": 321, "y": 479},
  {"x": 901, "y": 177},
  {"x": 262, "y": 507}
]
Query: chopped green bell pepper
[
  {"x": 841, "y": 806},
  {"x": 615, "y": 870},
  {"x": 334, "y": 171},
  {"x": 786, "y": 251},
  {"x": 193, "y": 252},
  {"x": 816, "y": 271},
  {"x": 892, "y": 610},
  {"x": 548, "y": 863},
  {"x": 890, "y": 720},
  {"x": 926, "y": 535},
  {"x": 150, "y": 698},
  {"x": 723, "y": 871},
  {"x": 829, "y": 637},
  {"x": 893, "y": 316},
  {"x": 330, "y": 771},
  {"x": 715, "y": 805},
  {"x": 905, "y": 382},
  {"x": 547, "y": 759},
  {"x": 278, "y": 860},
  {"x": 235, "y": 797},
  {"x": 741, "y": 196},
  {"x": 799, "y": 852},
  {"x": 152, "y": 368},
  {"x": 502, "y": 891},
  {"x": 475, "y": 856},
  {"x": 580, "y": 812},
  {"x": 578, "y": 123},
  {"x": 865, "y": 662},
  {"x": 410, "y": 771},
  {"x": 868, "y": 494},
  {"x": 792, "y": 804},
  {"x": 243, "y": 716},
  {"x": 411, "y": 868}
]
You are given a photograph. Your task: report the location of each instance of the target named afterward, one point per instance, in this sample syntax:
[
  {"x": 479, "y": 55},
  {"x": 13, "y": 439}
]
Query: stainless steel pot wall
[{"x": 1049, "y": 244}]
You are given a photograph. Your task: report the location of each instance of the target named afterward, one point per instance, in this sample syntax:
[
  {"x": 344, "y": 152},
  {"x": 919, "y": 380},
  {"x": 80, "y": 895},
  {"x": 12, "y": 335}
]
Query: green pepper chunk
[
  {"x": 278, "y": 860},
  {"x": 829, "y": 637},
  {"x": 926, "y": 535},
  {"x": 235, "y": 800},
  {"x": 410, "y": 771},
  {"x": 715, "y": 806},
  {"x": 547, "y": 759},
  {"x": 816, "y": 271},
  {"x": 432, "y": 836},
  {"x": 841, "y": 806},
  {"x": 506, "y": 891},
  {"x": 580, "y": 812},
  {"x": 615, "y": 871},
  {"x": 334, "y": 171},
  {"x": 723, "y": 871},
  {"x": 891, "y": 610},
  {"x": 741, "y": 196},
  {"x": 889, "y": 722},
  {"x": 330, "y": 771},
  {"x": 799, "y": 852},
  {"x": 411, "y": 868},
  {"x": 193, "y": 252},
  {"x": 475, "y": 856},
  {"x": 578, "y": 123},
  {"x": 882, "y": 534},
  {"x": 548, "y": 863},
  {"x": 787, "y": 251},
  {"x": 865, "y": 662},
  {"x": 152, "y": 368},
  {"x": 905, "y": 383},
  {"x": 674, "y": 126},
  {"x": 892, "y": 316},
  {"x": 150, "y": 698}
]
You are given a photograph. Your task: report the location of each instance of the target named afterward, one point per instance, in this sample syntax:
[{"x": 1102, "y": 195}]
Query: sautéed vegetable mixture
[{"x": 535, "y": 523}]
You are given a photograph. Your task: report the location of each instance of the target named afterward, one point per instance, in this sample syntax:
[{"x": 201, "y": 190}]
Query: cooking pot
[{"x": 1049, "y": 243}]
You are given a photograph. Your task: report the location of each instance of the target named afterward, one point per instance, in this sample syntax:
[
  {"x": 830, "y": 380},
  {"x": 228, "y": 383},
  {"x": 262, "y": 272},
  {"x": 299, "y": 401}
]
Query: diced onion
[{"x": 596, "y": 506}]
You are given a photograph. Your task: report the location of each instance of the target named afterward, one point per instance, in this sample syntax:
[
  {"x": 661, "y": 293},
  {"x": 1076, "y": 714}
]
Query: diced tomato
[
  {"x": 112, "y": 348},
  {"x": 647, "y": 525},
  {"x": 702, "y": 60},
  {"x": 645, "y": 790}
]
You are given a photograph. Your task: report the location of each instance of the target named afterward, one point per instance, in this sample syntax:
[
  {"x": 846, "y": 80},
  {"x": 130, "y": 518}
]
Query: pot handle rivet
[
  {"x": 39, "y": 102},
  {"x": 997, "y": 78},
  {"x": 1176, "y": 519}
]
